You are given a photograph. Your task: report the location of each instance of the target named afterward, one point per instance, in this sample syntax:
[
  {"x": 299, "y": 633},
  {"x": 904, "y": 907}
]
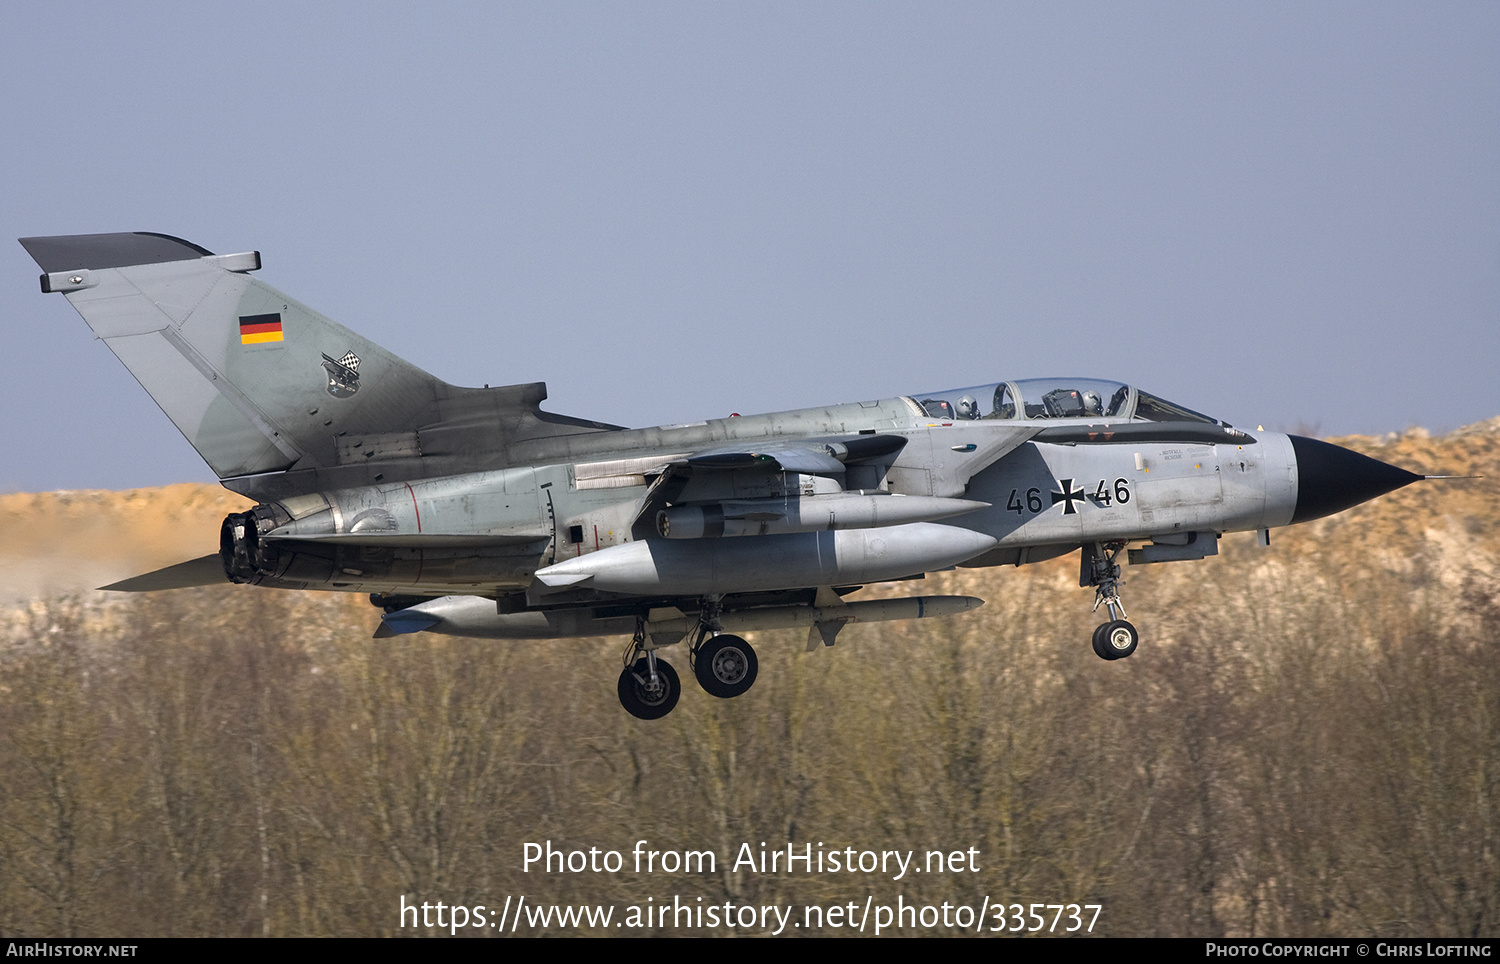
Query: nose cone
[{"x": 1331, "y": 478}]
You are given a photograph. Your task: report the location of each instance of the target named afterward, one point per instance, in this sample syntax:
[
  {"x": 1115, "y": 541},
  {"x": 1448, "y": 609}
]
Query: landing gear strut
[
  {"x": 1117, "y": 638},
  {"x": 725, "y": 665},
  {"x": 649, "y": 687}
]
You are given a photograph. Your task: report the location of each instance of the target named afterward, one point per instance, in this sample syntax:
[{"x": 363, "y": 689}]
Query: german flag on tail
[{"x": 259, "y": 329}]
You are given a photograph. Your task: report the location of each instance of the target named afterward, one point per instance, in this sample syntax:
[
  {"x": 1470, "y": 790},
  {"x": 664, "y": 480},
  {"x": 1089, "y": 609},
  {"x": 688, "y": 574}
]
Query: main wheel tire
[
  {"x": 643, "y": 701},
  {"x": 1119, "y": 639},
  {"x": 726, "y": 666}
]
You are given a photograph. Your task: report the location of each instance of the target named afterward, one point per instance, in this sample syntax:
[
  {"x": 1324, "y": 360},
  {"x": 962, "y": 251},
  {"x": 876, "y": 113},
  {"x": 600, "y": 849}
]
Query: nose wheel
[{"x": 1117, "y": 638}]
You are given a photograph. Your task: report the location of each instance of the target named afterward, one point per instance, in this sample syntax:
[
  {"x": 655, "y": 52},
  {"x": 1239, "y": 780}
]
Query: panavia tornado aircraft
[{"x": 472, "y": 512}]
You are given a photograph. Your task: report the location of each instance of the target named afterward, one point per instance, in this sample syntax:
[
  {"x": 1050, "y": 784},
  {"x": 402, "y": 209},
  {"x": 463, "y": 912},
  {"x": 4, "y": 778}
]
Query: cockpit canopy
[{"x": 1035, "y": 398}]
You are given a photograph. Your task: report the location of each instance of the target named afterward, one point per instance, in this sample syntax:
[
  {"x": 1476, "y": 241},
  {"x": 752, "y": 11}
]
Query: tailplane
[{"x": 277, "y": 398}]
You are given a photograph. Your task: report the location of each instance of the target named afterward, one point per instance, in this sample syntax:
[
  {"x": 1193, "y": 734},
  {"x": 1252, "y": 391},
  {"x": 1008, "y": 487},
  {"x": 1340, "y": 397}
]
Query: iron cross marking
[{"x": 1068, "y": 495}]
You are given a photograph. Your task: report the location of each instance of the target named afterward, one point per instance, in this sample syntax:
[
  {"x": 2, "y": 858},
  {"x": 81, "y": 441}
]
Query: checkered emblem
[{"x": 343, "y": 374}]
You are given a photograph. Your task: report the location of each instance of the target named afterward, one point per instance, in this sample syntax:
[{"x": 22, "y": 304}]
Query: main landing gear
[
  {"x": 649, "y": 687},
  {"x": 1117, "y": 638},
  {"x": 725, "y": 666}
]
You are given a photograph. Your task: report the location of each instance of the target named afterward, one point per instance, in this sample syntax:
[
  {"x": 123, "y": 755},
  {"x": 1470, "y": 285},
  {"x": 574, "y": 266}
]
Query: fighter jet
[{"x": 473, "y": 512}]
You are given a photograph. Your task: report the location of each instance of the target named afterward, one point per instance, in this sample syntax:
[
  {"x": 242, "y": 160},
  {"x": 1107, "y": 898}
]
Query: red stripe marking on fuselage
[
  {"x": 421, "y": 553},
  {"x": 414, "y": 505}
]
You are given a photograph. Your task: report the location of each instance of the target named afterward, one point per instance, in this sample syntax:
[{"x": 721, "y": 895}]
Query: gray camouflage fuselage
[{"x": 490, "y": 532}]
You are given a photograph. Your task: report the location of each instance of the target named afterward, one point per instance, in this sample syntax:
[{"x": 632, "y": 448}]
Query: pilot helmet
[{"x": 968, "y": 407}]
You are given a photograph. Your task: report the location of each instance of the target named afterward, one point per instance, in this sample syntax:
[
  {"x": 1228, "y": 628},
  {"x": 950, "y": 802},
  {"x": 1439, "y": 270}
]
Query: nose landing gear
[{"x": 1117, "y": 638}]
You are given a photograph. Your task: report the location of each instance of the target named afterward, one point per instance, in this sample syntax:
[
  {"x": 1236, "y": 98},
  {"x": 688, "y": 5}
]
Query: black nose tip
[{"x": 1331, "y": 478}]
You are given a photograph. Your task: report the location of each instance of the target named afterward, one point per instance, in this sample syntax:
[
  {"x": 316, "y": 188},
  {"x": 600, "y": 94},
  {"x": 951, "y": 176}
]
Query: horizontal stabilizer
[{"x": 203, "y": 571}]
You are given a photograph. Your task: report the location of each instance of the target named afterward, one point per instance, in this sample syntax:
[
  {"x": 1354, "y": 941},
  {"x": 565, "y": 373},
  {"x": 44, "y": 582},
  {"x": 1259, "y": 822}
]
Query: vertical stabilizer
[{"x": 260, "y": 383}]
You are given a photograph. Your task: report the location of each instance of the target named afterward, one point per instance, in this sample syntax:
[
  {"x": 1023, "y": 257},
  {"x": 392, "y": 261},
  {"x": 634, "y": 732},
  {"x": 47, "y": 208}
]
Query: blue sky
[{"x": 1285, "y": 214}]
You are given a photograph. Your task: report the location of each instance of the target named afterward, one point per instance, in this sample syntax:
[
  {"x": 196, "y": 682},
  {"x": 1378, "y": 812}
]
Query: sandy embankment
[{"x": 69, "y": 542}]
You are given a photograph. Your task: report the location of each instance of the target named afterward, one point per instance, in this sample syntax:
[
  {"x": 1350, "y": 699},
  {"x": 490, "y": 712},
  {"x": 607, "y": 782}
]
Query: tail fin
[{"x": 260, "y": 383}]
